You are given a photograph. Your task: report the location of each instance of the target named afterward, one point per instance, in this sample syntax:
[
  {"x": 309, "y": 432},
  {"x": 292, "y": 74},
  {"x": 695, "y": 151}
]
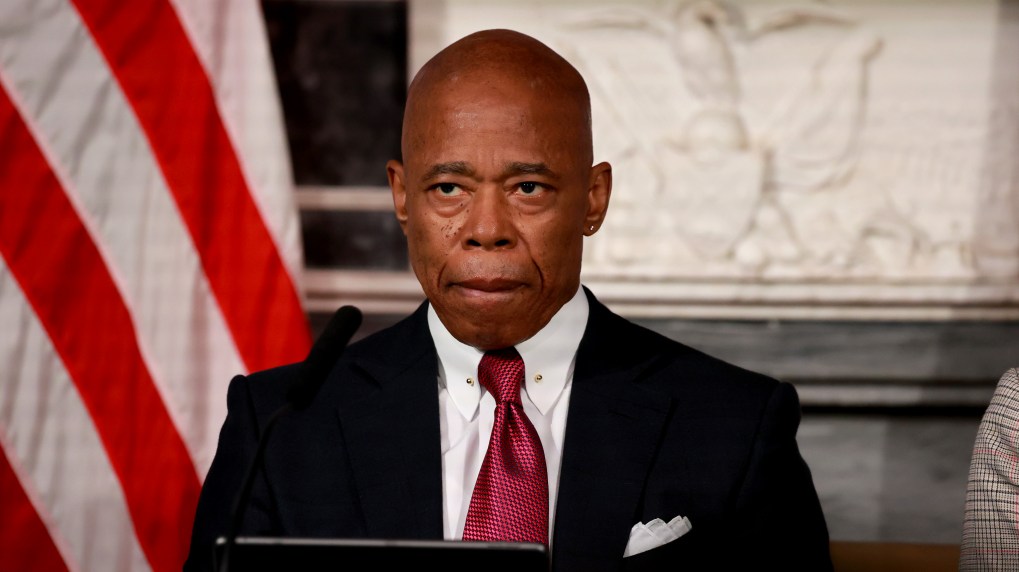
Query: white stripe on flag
[
  {"x": 50, "y": 436},
  {"x": 229, "y": 38}
]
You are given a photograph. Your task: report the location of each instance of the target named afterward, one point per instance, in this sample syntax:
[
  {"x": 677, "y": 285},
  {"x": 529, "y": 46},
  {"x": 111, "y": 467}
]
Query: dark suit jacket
[{"x": 655, "y": 429}]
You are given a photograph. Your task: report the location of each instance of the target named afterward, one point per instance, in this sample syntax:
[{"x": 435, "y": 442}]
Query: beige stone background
[{"x": 796, "y": 154}]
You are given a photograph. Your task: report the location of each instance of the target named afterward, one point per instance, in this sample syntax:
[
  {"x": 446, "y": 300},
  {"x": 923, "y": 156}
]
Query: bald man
[{"x": 647, "y": 452}]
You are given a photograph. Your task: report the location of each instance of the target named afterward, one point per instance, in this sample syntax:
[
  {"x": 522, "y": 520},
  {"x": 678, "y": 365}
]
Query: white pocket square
[{"x": 644, "y": 537}]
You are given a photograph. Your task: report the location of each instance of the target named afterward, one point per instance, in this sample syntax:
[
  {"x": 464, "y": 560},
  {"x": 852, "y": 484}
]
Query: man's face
[{"x": 495, "y": 197}]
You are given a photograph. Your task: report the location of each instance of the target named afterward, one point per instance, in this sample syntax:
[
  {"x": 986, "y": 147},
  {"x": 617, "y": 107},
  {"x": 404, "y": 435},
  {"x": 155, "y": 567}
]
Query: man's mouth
[{"x": 490, "y": 285}]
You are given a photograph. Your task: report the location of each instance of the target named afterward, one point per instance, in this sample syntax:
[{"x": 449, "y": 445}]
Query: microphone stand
[
  {"x": 241, "y": 502},
  {"x": 310, "y": 377}
]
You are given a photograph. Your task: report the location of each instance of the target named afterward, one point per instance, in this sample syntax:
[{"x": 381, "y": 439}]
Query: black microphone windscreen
[{"x": 324, "y": 354}]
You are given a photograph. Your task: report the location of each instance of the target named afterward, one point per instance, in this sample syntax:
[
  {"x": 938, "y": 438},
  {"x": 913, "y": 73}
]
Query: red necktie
[{"x": 510, "y": 500}]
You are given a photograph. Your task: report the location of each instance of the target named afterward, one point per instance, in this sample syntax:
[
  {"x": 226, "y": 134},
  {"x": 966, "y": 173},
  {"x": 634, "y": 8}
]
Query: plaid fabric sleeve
[{"x": 990, "y": 537}]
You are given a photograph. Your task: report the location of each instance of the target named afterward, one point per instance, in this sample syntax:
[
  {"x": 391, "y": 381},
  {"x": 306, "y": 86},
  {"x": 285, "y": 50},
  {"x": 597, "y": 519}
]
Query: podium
[{"x": 266, "y": 554}]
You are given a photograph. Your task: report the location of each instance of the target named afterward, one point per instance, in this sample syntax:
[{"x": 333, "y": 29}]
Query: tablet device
[{"x": 258, "y": 554}]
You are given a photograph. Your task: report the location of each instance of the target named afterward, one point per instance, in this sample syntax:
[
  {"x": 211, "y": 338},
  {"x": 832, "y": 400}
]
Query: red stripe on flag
[
  {"x": 157, "y": 68},
  {"x": 52, "y": 256},
  {"x": 25, "y": 542}
]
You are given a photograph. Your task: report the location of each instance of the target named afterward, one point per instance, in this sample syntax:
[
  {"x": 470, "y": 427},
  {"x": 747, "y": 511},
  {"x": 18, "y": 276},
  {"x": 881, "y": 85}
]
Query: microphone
[
  {"x": 311, "y": 375},
  {"x": 323, "y": 356}
]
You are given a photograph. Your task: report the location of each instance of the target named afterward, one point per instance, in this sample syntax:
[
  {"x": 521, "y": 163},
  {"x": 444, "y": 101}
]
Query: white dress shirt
[{"x": 467, "y": 410}]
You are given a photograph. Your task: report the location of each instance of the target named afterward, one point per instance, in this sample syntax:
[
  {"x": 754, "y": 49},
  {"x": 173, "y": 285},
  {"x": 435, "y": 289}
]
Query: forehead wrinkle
[
  {"x": 461, "y": 168},
  {"x": 522, "y": 168}
]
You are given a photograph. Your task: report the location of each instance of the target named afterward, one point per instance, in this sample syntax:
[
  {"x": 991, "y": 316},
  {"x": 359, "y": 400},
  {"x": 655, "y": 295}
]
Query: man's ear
[
  {"x": 598, "y": 192},
  {"x": 394, "y": 170}
]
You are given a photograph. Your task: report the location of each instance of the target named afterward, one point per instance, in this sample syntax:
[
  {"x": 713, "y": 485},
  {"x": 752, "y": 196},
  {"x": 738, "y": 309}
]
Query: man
[{"x": 495, "y": 194}]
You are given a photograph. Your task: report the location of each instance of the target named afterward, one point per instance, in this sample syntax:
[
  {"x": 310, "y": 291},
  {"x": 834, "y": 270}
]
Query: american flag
[{"x": 149, "y": 251}]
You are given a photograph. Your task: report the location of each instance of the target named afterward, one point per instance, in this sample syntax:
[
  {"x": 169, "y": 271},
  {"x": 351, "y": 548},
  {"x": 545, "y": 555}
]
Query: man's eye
[
  {"x": 529, "y": 188},
  {"x": 447, "y": 189}
]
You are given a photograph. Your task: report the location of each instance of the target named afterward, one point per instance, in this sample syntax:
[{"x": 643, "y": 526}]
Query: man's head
[{"x": 496, "y": 190}]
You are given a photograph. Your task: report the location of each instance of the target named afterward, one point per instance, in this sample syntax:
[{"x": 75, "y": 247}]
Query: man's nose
[{"x": 489, "y": 223}]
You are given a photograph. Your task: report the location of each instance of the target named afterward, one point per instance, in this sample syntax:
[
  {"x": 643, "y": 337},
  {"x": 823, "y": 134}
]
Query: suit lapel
[
  {"x": 389, "y": 419},
  {"x": 613, "y": 432}
]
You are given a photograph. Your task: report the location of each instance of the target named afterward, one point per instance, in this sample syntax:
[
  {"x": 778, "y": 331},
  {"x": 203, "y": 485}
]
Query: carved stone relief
[{"x": 814, "y": 143}]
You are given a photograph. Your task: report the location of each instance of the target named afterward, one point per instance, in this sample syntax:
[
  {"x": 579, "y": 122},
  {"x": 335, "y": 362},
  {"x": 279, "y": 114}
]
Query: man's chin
[
  {"x": 487, "y": 331},
  {"x": 485, "y": 341}
]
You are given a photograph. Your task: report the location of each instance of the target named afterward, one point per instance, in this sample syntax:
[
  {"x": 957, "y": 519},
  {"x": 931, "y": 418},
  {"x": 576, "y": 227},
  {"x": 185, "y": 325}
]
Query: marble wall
[{"x": 890, "y": 477}]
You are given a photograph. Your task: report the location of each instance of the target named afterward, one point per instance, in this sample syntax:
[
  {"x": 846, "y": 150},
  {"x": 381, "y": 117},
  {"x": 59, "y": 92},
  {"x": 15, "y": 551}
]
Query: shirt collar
[{"x": 550, "y": 353}]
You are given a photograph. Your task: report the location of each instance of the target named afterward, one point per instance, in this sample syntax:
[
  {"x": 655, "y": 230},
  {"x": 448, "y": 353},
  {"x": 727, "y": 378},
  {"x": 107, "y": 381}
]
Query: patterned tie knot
[{"x": 501, "y": 372}]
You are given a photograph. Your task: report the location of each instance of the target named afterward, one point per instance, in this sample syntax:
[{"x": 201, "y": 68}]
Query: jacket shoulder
[
  {"x": 613, "y": 333},
  {"x": 268, "y": 388}
]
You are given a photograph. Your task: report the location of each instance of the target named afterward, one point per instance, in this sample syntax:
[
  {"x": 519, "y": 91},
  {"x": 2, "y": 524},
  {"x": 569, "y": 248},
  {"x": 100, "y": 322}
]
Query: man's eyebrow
[
  {"x": 517, "y": 168},
  {"x": 453, "y": 168}
]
